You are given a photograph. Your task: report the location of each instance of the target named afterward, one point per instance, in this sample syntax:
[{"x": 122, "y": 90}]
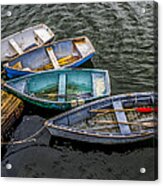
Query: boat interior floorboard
[{"x": 89, "y": 125}]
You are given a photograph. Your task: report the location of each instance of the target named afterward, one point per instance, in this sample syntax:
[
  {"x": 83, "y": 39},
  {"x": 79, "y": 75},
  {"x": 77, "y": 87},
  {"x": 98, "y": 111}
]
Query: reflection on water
[{"x": 124, "y": 41}]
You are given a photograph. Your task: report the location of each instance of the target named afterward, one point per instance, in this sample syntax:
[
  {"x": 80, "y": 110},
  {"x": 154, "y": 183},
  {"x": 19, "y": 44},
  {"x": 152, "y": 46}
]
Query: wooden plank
[
  {"x": 144, "y": 124},
  {"x": 82, "y": 47},
  {"x": 52, "y": 57},
  {"x": 62, "y": 87},
  {"x": 98, "y": 84},
  {"x": 93, "y": 84},
  {"x": 6, "y": 105},
  {"x": 43, "y": 34},
  {"x": 15, "y": 46},
  {"x": 121, "y": 117},
  {"x": 12, "y": 108}
]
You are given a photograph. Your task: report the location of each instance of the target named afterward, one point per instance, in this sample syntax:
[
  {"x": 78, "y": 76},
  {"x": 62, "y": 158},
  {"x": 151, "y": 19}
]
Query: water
[{"x": 123, "y": 37}]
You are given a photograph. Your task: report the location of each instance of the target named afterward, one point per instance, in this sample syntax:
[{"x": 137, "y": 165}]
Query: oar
[
  {"x": 139, "y": 109},
  {"x": 64, "y": 95},
  {"x": 58, "y": 95},
  {"x": 144, "y": 124}
]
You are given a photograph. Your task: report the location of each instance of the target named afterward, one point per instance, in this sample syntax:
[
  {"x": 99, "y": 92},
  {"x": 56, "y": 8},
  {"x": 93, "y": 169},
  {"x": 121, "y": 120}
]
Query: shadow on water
[
  {"x": 89, "y": 64},
  {"x": 31, "y": 109},
  {"x": 7, "y": 136},
  {"x": 86, "y": 147}
]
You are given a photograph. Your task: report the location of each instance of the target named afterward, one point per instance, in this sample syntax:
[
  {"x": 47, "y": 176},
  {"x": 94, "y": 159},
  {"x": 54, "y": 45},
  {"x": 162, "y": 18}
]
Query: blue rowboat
[
  {"x": 61, "y": 89},
  {"x": 86, "y": 124},
  {"x": 61, "y": 54},
  {"x": 24, "y": 41}
]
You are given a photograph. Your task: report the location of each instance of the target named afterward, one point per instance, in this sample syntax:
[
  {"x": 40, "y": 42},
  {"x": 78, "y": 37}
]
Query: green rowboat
[{"x": 61, "y": 89}]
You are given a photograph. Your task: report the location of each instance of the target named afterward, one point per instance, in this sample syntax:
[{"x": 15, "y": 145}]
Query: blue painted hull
[
  {"x": 12, "y": 73},
  {"x": 82, "y": 61},
  {"x": 68, "y": 53}
]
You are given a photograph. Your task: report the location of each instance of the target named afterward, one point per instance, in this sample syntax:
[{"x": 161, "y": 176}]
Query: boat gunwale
[
  {"x": 103, "y": 99},
  {"x": 96, "y": 134},
  {"x": 27, "y": 29}
]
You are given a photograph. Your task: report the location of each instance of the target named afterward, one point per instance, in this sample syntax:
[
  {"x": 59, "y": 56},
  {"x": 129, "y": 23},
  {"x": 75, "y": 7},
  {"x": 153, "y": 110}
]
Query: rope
[{"x": 29, "y": 139}]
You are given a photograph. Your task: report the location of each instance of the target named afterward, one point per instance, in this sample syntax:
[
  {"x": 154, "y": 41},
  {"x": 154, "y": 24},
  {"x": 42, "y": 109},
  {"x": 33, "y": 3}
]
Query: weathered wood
[
  {"x": 60, "y": 54},
  {"x": 144, "y": 124},
  {"x": 121, "y": 116},
  {"x": 45, "y": 67},
  {"x": 111, "y": 110},
  {"x": 41, "y": 88},
  {"x": 15, "y": 46},
  {"x": 43, "y": 35},
  {"x": 62, "y": 86},
  {"x": 139, "y": 109},
  {"x": 52, "y": 57},
  {"x": 11, "y": 108},
  {"x": 78, "y": 124},
  {"x": 26, "y": 40},
  {"x": 53, "y": 95}
]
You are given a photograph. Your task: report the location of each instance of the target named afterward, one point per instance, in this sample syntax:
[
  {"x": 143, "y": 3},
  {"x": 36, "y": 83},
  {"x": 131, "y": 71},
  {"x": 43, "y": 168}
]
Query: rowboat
[
  {"x": 61, "y": 54},
  {"x": 61, "y": 89},
  {"x": 24, "y": 41},
  {"x": 119, "y": 119}
]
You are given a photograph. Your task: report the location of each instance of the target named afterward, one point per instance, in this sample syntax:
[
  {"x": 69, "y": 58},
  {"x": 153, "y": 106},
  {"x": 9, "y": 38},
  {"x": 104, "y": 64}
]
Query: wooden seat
[
  {"x": 82, "y": 47},
  {"x": 98, "y": 85},
  {"x": 52, "y": 57},
  {"x": 62, "y": 87},
  {"x": 15, "y": 46},
  {"x": 121, "y": 117},
  {"x": 93, "y": 84},
  {"x": 43, "y": 35}
]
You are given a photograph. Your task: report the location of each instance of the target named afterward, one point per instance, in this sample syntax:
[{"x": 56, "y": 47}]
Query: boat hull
[
  {"x": 67, "y": 53},
  {"x": 24, "y": 41},
  {"x": 13, "y": 73},
  {"x": 59, "y": 125},
  {"x": 97, "y": 139},
  {"x": 59, "y": 79}
]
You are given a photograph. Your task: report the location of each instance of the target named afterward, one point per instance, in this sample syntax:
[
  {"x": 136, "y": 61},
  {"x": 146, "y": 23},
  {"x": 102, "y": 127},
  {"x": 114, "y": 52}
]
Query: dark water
[{"x": 124, "y": 41}]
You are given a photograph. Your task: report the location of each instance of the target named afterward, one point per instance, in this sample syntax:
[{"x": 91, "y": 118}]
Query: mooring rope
[{"x": 29, "y": 139}]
